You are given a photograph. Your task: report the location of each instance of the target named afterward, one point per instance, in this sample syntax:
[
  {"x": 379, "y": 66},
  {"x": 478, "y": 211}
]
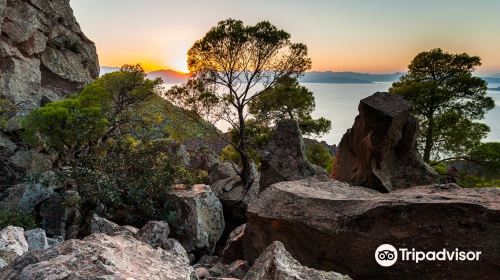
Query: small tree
[
  {"x": 287, "y": 99},
  {"x": 446, "y": 99},
  {"x": 231, "y": 66},
  {"x": 102, "y": 110}
]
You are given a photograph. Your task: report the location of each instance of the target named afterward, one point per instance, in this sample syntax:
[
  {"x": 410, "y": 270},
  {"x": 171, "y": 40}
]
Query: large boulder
[
  {"x": 276, "y": 263},
  {"x": 12, "y": 245},
  {"x": 155, "y": 233},
  {"x": 26, "y": 196},
  {"x": 379, "y": 151},
  {"x": 198, "y": 222},
  {"x": 284, "y": 158},
  {"x": 100, "y": 256},
  {"x": 43, "y": 52},
  {"x": 335, "y": 226}
]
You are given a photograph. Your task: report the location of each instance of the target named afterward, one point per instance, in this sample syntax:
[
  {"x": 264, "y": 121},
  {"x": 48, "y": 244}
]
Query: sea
[{"x": 339, "y": 103}]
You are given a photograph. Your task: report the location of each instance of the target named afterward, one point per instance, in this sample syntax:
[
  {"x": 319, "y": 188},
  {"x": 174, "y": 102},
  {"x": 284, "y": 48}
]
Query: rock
[
  {"x": 335, "y": 226},
  {"x": 234, "y": 245},
  {"x": 31, "y": 161},
  {"x": 219, "y": 270},
  {"x": 12, "y": 244},
  {"x": 36, "y": 238},
  {"x": 285, "y": 158},
  {"x": 199, "y": 221},
  {"x": 104, "y": 226},
  {"x": 173, "y": 246},
  {"x": 52, "y": 242},
  {"x": 379, "y": 151},
  {"x": 42, "y": 52},
  {"x": 207, "y": 261},
  {"x": 238, "y": 269},
  {"x": 154, "y": 233},
  {"x": 6, "y": 143},
  {"x": 276, "y": 263},
  {"x": 26, "y": 196},
  {"x": 235, "y": 198},
  {"x": 61, "y": 215},
  {"x": 101, "y": 225},
  {"x": 100, "y": 256},
  {"x": 222, "y": 170},
  {"x": 202, "y": 273}
]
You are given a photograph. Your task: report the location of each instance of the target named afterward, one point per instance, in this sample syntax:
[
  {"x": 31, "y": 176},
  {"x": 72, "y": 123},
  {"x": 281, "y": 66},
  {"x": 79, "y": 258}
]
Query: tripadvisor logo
[{"x": 387, "y": 255}]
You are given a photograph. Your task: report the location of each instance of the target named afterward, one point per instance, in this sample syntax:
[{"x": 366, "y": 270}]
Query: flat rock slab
[{"x": 334, "y": 226}]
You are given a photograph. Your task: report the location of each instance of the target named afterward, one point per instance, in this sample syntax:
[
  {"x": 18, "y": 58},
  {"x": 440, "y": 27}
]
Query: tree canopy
[
  {"x": 447, "y": 100},
  {"x": 231, "y": 66}
]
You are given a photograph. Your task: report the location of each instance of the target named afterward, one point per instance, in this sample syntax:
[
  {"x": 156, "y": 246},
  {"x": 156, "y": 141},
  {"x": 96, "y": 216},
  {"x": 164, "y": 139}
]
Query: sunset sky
[{"x": 342, "y": 35}]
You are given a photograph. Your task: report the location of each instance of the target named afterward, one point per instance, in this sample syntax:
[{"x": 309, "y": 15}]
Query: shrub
[
  {"x": 320, "y": 156},
  {"x": 10, "y": 217}
]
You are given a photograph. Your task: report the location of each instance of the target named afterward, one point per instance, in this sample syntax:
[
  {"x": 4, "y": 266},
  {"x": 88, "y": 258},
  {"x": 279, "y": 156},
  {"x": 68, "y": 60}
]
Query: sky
[{"x": 376, "y": 36}]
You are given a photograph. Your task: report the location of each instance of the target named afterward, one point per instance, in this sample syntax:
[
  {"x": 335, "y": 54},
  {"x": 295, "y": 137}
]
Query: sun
[{"x": 180, "y": 64}]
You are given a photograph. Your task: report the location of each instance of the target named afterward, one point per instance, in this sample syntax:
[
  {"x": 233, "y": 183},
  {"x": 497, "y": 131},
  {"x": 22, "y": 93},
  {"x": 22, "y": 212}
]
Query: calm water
[{"x": 339, "y": 103}]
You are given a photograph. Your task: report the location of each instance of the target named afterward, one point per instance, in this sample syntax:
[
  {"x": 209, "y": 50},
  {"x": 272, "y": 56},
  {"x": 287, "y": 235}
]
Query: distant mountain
[
  {"x": 492, "y": 80},
  {"x": 106, "y": 69},
  {"x": 168, "y": 76},
  {"x": 348, "y": 77}
]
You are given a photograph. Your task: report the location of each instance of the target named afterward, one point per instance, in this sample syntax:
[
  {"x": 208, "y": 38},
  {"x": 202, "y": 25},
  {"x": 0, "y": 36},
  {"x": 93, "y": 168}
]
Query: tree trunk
[
  {"x": 246, "y": 176},
  {"x": 429, "y": 140}
]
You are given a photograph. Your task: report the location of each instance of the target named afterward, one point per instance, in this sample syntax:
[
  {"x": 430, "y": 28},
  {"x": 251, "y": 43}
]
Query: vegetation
[
  {"x": 112, "y": 145},
  {"x": 232, "y": 65},
  {"x": 320, "y": 156},
  {"x": 10, "y": 217},
  {"x": 447, "y": 100},
  {"x": 289, "y": 100}
]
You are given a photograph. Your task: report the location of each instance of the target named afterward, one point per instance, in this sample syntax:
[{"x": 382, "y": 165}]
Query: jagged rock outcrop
[
  {"x": 379, "y": 151},
  {"x": 101, "y": 225},
  {"x": 284, "y": 158},
  {"x": 276, "y": 263},
  {"x": 100, "y": 257},
  {"x": 198, "y": 222},
  {"x": 61, "y": 215},
  {"x": 335, "y": 226},
  {"x": 43, "y": 52}
]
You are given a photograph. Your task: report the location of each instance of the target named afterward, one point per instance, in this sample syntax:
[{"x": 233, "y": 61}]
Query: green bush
[
  {"x": 9, "y": 217},
  {"x": 320, "y": 156}
]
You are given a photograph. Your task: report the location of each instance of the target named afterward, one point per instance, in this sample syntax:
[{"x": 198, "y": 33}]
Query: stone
[
  {"x": 276, "y": 263},
  {"x": 173, "y": 246},
  {"x": 12, "y": 244},
  {"x": 100, "y": 256},
  {"x": 335, "y": 226},
  {"x": 26, "y": 196},
  {"x": 155, "y": 233},
  {"x": 36, "y": 238},
  {"x": 61, "y": 215},
  {"x": 379, "y": 151},
  {"x": 219, "y": 270},
  {"x": 31, "y": 161},
  {"x": 234, "y": 249},
  {"x": 42, "y": 52},
  {"x": 284, "y": 158},
  {"x": 202, "y": 273},
  {"x": 198, "y": 222},
  {"x": 6, "y": 143},
  {"x": 238, "y": 269},
  {"x": 221, "y": 170},
  {"x": 104, "y": 226},
  {"x": 52, "y": 242},
  {"x": 101, "y": 225}
]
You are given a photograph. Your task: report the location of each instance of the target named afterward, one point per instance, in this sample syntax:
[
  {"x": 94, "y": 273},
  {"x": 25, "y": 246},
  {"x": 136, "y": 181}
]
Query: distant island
[
  {"x": 496, "y": 89},
  {"x": 170, "y": 76},
  {"x": 330, "y": 77}
]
